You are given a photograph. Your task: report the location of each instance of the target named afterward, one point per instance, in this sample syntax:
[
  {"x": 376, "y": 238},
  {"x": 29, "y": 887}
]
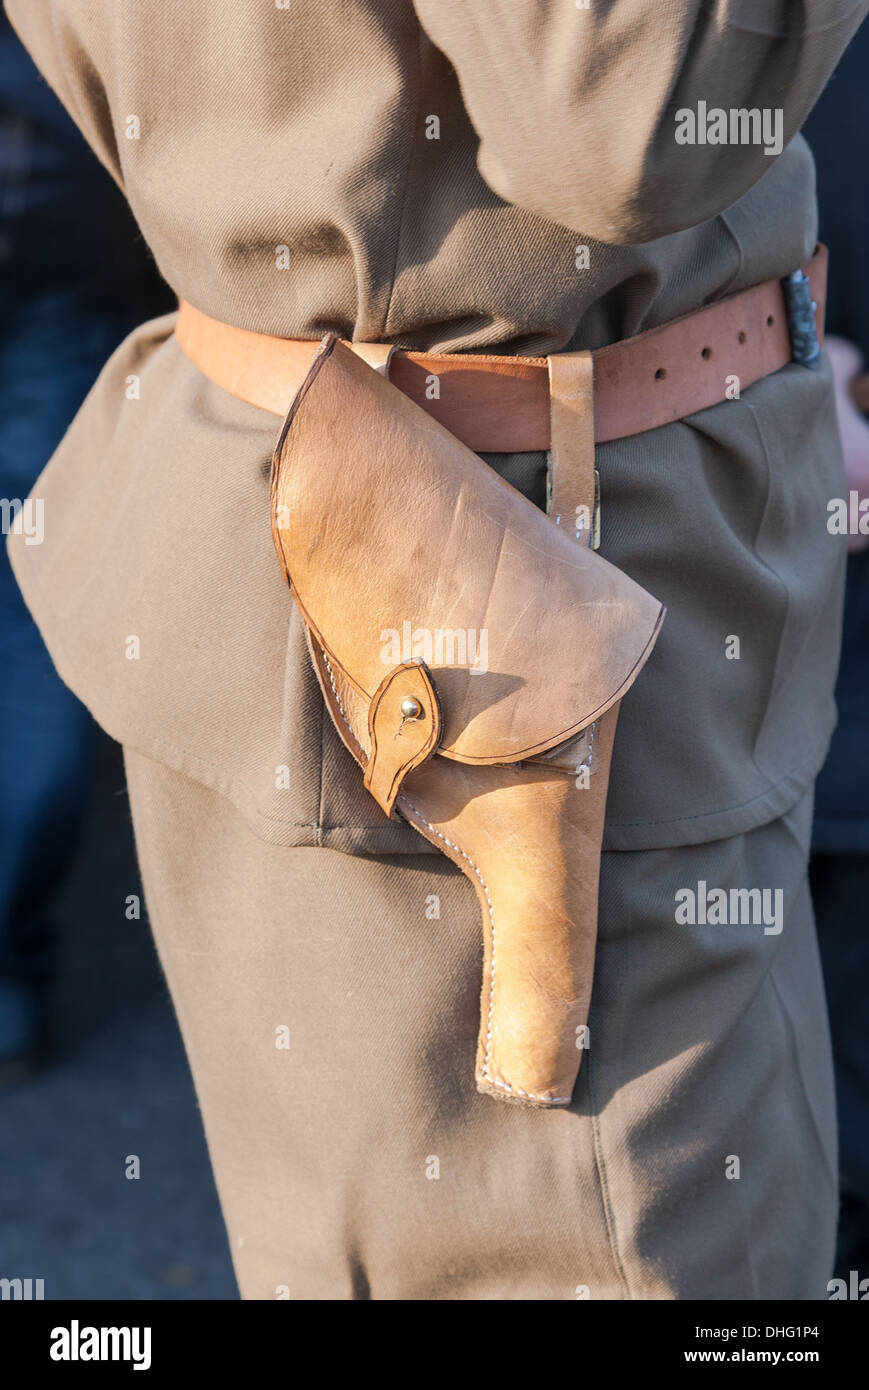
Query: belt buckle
[{"x": 805, "y": 347}]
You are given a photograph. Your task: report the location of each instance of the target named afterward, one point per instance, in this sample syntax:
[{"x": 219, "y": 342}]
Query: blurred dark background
[{"x": 92, "y": 1070}]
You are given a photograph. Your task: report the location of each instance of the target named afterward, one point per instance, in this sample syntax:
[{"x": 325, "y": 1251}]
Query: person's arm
[{"x": 576, "y": 108}]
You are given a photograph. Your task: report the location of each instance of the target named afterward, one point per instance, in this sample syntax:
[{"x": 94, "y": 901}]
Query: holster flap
[{"x": 400, "y": 544}]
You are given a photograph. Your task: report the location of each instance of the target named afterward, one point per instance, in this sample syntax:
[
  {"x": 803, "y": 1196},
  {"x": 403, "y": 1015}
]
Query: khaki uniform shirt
[{"x": 444, "y": 175}]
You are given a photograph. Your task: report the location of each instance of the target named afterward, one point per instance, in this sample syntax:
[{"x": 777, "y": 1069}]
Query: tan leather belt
[{"x": 502, "y": 404}]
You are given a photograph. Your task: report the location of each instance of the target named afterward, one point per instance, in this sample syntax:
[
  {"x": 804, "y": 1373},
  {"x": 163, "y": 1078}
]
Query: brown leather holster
[{"x": 472, "y": 655}]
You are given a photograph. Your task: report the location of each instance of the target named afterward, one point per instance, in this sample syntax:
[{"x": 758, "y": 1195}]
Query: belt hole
[
  {"x": 741, "y": 335},
  {"x": 706, "y": 353},
  {"x": 769, "y": 320},
  {"x": 660, "y": 374}
]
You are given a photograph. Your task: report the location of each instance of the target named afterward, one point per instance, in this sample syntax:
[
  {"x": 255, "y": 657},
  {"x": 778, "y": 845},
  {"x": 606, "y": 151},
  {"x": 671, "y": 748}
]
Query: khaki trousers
[{"x": 329, "y": 1006}]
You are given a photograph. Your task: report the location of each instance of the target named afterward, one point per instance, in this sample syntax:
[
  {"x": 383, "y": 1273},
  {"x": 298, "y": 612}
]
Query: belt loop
[
  {"x": 573, "y": 484},
  {"x": 377, "y": 355}
]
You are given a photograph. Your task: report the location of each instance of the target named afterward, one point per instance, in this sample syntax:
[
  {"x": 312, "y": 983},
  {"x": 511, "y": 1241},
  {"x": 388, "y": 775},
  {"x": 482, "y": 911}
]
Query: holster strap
[{"x": 571, "y": 500}]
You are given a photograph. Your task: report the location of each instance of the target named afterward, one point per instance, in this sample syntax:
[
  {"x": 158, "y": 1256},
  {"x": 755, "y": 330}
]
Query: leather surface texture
[{"x": 392, "y": 533}]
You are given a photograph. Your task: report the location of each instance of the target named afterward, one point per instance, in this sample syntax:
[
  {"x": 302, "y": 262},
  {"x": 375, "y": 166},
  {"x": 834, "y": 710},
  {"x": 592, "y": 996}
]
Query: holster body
[{"x": 472, "y": 653}]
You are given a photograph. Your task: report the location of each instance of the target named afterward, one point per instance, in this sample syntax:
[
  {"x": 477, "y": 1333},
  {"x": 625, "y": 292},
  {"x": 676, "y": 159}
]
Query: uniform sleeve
[
  {"x": 65, "y": 55},
  {"x": 578, "y": 109}
]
